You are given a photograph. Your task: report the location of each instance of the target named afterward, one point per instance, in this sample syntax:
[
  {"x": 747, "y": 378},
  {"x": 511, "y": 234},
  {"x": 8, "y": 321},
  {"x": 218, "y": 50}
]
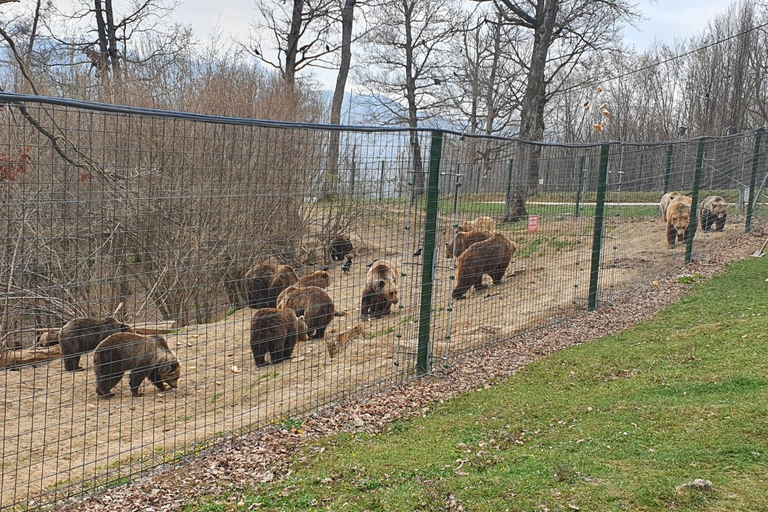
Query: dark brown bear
[
  {"x": 380, "y": 291},
  {"x": 378, "y": 298},
  {"x": 275, "y": 331},
  {"x": 265, "y": 282},
  {"x": 319, "y": 278},
  {"x": 83, "y": 335},
  {"x": 491, "y": 256},
  {"x": 145, "y": 357},
  {"x": 340, "y": 247},
  {"x": 313, "y": 303},
  {"x": 464, "y": 239}
]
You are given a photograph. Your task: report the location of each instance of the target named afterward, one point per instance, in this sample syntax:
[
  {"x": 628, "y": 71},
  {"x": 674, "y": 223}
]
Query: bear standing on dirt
[
  {"x": 83, "y": 335},
  {"x": 664, "y": 203},
  {"x": 464, "y": 239},
  {"x": 713, "y": 210},
  {"x": 341, "y": 246},
  {"x": 275, "y": 332},
  {"x": 265, "y": 281},
  {"x": 311, "y": 302},
  {"x": 678, "y": 219},
  {"x": 491, "y": 256},
  {"x": 145, "y": 357},
  {"x": 380, "y": 291}
]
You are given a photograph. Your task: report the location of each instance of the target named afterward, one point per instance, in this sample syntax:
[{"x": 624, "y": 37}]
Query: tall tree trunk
[
  {"x": 419, "y": 185},
  {"x": 101, "y": 30},
  {"x": 292, "y": 48},
  {"x": 112, "y": 49},
  {"x": 532, "y": 114},
  {"x": 347, "y": 19},
  {"x": 33, "y": 32}
]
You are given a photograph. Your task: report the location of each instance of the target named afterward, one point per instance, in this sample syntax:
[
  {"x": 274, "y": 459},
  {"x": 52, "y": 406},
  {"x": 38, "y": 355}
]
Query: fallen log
[{"x": 14, "y": 358}]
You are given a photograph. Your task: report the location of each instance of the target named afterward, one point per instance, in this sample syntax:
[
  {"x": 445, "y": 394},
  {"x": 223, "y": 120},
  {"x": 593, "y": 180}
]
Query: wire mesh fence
[{"x": 212, "y": 276}]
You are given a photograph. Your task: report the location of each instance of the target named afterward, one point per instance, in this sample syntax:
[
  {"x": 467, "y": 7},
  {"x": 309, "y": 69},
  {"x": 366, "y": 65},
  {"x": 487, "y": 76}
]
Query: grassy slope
[{"x": 615, "y": 424}]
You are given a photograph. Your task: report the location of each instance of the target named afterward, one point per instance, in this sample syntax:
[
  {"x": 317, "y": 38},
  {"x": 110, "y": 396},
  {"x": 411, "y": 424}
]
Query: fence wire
[{"x": 211, "y": 276}]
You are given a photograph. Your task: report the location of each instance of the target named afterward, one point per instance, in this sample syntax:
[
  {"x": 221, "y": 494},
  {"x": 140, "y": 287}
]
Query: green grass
[
  {"x": 556, "y": 210},
  {"x": 612, "y": 425}
]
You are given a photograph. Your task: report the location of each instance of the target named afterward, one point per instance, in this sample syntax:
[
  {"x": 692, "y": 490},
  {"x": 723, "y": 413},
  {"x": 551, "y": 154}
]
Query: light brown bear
[
  {"x": 83, "y": 335},
  {"x": 664, "y": 203},
  {"x": 275, "y": 332},
  {"x": 678, "y": 219},
  {"x": 483, "y": 222},
  {"x": 319, "y": 278},
  {"x": 265, "y": 281},
  {"x": 464, "y": 239},
  {"x": 713, "y": 210},
  {"x": 491, "y": 256},
  {"x": 380, "y": 290},
  {"x": 311, "y": 302},
  {"x": 145, "y": 357}
]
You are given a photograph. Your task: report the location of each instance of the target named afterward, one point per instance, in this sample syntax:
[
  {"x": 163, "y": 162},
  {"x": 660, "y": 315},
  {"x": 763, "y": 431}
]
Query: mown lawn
[{"x": 613, "y": 425}]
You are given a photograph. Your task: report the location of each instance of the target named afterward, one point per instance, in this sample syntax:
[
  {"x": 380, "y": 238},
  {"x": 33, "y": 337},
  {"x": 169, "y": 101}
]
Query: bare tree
[{"x": 407, "y": 52}]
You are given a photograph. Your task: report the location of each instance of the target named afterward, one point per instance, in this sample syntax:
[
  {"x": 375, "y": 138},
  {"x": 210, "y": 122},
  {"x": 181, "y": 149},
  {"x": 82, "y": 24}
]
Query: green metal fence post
[
  {"x": 668, "y": 170},
  {"x": 381, "y": 183},
  {"x": 597, "y": 238},
  {"x": 581, "y": 186},
  {"x": 695, "y": 202},
  {"x": 509, "y": 179},
  {"x": 430, "y": 228},
  {"x": 752, "y": 201}
]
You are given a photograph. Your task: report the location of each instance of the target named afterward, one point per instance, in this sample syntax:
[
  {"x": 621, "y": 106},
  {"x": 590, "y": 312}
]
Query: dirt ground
[{"x": 57, "y": 435}]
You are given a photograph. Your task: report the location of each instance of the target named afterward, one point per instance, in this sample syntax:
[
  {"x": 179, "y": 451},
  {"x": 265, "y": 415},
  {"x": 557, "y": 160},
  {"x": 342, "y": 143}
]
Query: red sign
[{"x": 533, "y": 223}]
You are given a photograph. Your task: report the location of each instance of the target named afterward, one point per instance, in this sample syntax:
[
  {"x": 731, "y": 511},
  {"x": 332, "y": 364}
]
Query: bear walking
[
  {"x": 311, "y": 302},
  {"x": 275, "y": 332},
  {"x": 664, "y": 203},
  {"x": 678, "y": 219},
  {"x": 145, "y": 357},
  {"x": 713, "y": 210},
  {"x": 83, "y": 335},
  {"x": 491, "y": 256},
  {"x": 265, "y": 281}
]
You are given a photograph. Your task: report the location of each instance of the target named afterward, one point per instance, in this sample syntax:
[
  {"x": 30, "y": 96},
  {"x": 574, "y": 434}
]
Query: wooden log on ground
[{"x": 13, "y": 358}]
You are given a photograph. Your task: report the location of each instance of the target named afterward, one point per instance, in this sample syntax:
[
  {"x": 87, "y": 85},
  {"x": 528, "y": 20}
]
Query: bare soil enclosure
[{"x": 54, "y": 424}]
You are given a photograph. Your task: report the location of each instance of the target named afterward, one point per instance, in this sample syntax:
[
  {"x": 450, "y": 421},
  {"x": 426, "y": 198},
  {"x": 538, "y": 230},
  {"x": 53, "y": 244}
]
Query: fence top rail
[{"x": 11, "y": 98}]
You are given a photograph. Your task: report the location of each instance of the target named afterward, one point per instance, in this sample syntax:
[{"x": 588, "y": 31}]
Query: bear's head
[
  {"x": 389, "y": 290},
  {"x": 719, "y": 208},
  {"x": 680, "y": 219},
  {"x": 168, "y": 368}
]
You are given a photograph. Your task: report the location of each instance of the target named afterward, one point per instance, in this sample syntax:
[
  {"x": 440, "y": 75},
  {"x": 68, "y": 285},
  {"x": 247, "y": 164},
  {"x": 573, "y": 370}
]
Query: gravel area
[{"x": 238, "y": 462}]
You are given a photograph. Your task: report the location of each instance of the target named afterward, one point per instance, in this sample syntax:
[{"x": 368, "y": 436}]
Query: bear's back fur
[
  {"x": 265, "y": 281},
  {"x": 341, "y": 246},
  {"x": 483, "y": 222},
  {"x": 664, "y": 203},
  {"x": 145, "y": 357},
  {"x": 381, "y": 270},
  {"x": 83, "y": 335},
  {"x": 491, "y": 256},
  {"x": 311, "y": 302},
  {"x": 713, "y": 210},
  {"x": 464, "y": 239},
  {"x": 275, "y": 332},
  {"x": 319, "y": 278}
]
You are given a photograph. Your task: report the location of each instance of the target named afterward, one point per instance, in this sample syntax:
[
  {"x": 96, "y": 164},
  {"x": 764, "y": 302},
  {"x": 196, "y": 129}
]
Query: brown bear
[
  {"x": 479, "y": 223},
  {"x": 145, "y": 357},
  {"x": 381, "y": 270},
  {"x": 83, "y": 335},
  {"x": 491, "y": 256},
  {"x": 265, "y": 281},
  {"x": 464, "y": 239},
  {"x": 49, "y": 338},
  {"x": 313, "y": 303},
  {"x": 664, "y": 203},
  {"x": 319, "y": 278},
  {"x": 275, "y": 331},
  {"x": 378, "y": 298},
  {"x": 678, "y": 219},
  {"x": 713, "y": 210},
  {"x": 341, "y": 246}
]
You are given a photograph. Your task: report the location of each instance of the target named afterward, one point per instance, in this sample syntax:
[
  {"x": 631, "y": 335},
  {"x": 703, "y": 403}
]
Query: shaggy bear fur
[
  {"x": 491, "y": 256},
  {"x": 378, "y": 298},
  {"x": 678, "y": 219},
  {"x": 341, "y": 246},
  {"x": 381, "y": 270},
  {"x": 83, "y": 335},
  {"x": 145, "y": 357},
  {"x": 319, "y": 278},
  {"x": 479, "y": 223},
  {"x": 713, "y": 210},
  {"x": 464, "y": 239},
  {"x": 664, "y": 203},
  {"x": 314, "y": 304},
  {"x": 265, "y": 281},
  {"x": 275, "y": 331}
]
